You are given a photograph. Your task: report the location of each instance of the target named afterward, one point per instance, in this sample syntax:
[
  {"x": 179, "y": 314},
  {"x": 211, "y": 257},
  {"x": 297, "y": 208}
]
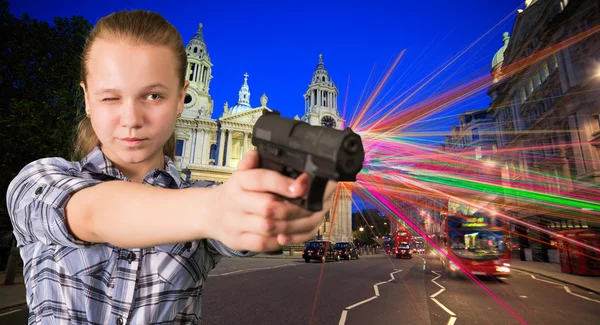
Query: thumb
[{"x": 250, "y": 160}]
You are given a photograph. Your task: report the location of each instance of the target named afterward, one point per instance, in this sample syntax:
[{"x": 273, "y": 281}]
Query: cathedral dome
[
  {"x": 239, "y": 108},
  {"x": 499, "y": 56},
  {"x": 243, "y": 103}
]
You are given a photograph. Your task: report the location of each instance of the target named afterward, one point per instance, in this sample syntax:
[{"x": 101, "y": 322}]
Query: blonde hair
[{"x": 140, "y": 28}]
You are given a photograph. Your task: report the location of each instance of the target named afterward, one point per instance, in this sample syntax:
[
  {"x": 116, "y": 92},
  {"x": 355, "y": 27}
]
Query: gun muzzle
[{"x": 293, "y": 147}]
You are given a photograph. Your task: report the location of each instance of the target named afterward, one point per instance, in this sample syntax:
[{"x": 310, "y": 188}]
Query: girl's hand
[{"x": 253, "y": 218}]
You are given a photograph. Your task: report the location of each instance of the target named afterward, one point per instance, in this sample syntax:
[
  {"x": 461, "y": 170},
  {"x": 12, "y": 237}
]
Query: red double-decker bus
[
  {"x": 476, "y": 244},
  {"x": 401, "y": 236}
]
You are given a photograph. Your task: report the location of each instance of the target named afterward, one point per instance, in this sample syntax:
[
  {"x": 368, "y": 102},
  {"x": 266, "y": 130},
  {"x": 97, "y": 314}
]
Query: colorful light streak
[{"x": 402, "y": 167}]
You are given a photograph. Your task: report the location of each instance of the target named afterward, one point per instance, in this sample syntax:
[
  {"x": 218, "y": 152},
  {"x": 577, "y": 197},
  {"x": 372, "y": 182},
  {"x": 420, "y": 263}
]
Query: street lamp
[
  {"x": 597, "y": 68},
  {"x": 361, "y": 229}
]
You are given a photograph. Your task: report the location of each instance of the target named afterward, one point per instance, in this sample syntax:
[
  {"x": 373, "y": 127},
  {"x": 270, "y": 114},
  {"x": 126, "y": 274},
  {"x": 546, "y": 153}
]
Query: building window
[
  {"x": 213, "y": 151},
  {"x": 475, "y": 134},
  {"x": 536, "y": 81},
  {"x": 553, "y": 62},
  {"x": 544, "y": 71},
  {"x": 192, "y": 69},
  {"x": 530, "y": 87},
  {"x": 179, "y": 148}
]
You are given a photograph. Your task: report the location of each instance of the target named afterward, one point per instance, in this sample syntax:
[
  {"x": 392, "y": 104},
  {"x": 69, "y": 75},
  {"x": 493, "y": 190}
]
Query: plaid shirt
[{"x": 73, "y": 282}]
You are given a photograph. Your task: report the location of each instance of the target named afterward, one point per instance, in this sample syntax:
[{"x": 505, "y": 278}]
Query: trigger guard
[{"x": 316, "y": 192}]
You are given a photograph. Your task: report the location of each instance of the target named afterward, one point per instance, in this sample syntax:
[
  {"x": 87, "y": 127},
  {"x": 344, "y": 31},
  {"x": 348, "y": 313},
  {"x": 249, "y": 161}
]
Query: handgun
[{"x": 292, "y": 147}]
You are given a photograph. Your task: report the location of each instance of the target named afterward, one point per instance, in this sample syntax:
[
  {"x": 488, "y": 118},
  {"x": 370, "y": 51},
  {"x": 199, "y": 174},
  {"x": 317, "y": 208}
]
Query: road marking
[
  {"x": 361, "y": 302},
  {"x": 560, "y": 285},
  {"x": 343, "y": 318},
  {"x": 10, "y": 312},
  {"x": 452, "y": 314},
  {"x": 424, "y": 262},
  {"x": 252, "y": 270},
  {"x": 375, "y": 288}
]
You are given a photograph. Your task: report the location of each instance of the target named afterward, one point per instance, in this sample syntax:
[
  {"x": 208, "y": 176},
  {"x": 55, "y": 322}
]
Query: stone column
[
  {"x": 228, "y": 160},
  {"x": 197, "y": 158},
  {"x": 221, "y": 147},
  {"x": 348, "y": 214},
  {"x": 244, "y": 145},
  {"x": 334, "y": 101},
  {"x": 320, "y": 97},
  {"x": 187, "y": 151},
  {"x": 200, "y": 74},
  {"x": 206, "y": 147}
]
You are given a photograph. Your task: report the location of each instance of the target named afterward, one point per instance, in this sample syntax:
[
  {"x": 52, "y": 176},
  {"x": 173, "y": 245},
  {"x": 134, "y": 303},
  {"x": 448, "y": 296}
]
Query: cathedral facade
[{"x": 209, "y": 149}]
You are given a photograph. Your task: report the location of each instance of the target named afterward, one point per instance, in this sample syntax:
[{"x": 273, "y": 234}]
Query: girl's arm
[
  {"x": 129, "y": 214},
  {"x": 50, "y": 201}
]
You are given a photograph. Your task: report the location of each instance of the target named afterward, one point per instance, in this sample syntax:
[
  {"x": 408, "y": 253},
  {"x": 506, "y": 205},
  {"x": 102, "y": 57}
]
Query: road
[{"x": 379, "y": 290}]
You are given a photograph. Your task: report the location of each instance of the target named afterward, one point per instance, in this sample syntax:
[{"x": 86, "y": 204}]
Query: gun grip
[
  {"x": 316, "y": 186},
  {"x": 316, "y": 192}
]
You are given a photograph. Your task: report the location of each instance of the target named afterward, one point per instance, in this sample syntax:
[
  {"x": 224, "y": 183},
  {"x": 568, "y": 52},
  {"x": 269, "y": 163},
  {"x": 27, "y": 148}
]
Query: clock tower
[
  {"x": 321, "y": 108},
  {"x": 320, "y": 100},
  {"x": 197, "y": 102}
]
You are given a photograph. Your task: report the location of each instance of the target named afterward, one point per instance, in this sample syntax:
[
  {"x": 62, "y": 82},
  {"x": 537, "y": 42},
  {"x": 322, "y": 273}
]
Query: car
[
  {"x": 346, "y": 250},
  {"x": 387, "y": 246},
  {"x": 403, "y": 250},
  {"x": 320, "y": 250}
]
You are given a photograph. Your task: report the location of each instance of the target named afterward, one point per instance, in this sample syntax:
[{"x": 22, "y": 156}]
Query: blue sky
[{"x": 278, "y": 44}]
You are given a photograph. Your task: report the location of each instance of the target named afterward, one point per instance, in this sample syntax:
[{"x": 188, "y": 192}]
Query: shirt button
[
  {"x": 38, "y": 190},
  {"x": 131, "y": 257},
  {"x": 120, "y": 321},
  {"x": 187, "y": 245}
]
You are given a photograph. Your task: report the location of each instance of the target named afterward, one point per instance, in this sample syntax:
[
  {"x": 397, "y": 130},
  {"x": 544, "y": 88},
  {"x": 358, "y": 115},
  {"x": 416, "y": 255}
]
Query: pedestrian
[{"x": 116, "y": 236}]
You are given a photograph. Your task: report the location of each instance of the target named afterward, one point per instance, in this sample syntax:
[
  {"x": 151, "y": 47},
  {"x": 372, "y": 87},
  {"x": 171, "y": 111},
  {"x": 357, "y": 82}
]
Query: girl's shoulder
[
  {"x": 56, "y": 164},
  {"x": 52, "y": 163}
]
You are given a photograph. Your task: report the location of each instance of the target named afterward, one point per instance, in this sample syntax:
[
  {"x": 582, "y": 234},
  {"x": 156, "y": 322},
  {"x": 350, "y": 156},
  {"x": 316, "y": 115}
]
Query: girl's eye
[
  {"x": 109, "y": 99},
  {"x": 154, "y": 97}
]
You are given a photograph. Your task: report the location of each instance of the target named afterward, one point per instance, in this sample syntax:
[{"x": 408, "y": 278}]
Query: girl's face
[{"x": 133, "y": 97}]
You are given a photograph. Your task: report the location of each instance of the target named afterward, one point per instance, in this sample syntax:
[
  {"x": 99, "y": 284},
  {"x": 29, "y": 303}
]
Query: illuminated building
[
  {"x": 210, "y": 149},
  {"x": 547, "y": 113}
]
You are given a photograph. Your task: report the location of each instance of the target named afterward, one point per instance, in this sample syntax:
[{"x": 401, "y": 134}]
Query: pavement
[
  {"x": 552, "y": 271},
  {"x": 298, "y": 255},
  {"x": 13, "y": 296}
]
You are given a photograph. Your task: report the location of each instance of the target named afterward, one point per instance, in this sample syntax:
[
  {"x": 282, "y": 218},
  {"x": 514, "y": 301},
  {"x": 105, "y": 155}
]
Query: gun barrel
[{"x": 340, "y": 150}]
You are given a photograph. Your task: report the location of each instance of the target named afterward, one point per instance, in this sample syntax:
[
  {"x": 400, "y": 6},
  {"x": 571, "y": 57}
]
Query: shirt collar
[{"x": 98, "y": 163}]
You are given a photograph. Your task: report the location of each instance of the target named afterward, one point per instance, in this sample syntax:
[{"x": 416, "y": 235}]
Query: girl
[{"x": 117, "y": 237}]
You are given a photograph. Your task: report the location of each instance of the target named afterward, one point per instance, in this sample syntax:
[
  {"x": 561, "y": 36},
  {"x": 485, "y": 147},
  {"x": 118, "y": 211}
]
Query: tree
[
  {"x": 367, "y": 218},
  {"x": 40, "y": 97}
]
